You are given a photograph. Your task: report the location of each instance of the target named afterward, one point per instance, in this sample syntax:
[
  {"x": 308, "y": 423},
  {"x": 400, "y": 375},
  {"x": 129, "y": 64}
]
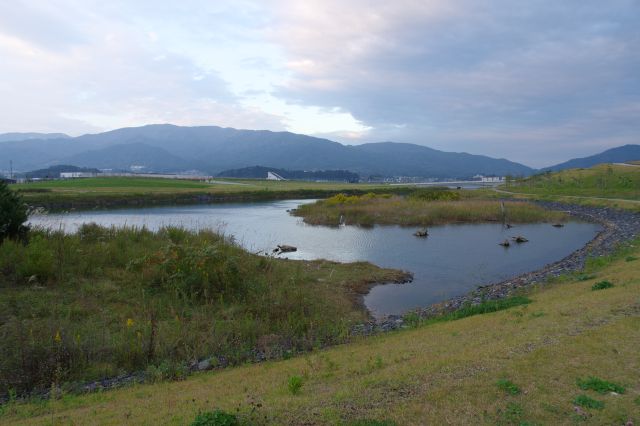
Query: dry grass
[
  {"x": 397, "y": 210},
  {"x": 443, "y": 373}
]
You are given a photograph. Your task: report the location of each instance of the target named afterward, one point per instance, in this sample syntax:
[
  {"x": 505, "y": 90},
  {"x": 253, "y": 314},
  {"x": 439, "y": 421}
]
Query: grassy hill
[
  {"x": 604, "y": 180},
  {"x": 554, "y": 361}
]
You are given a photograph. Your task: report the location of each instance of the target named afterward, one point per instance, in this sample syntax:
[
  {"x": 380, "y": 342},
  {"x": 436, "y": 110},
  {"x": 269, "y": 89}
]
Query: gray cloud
[{"x": 531, "y": 81}]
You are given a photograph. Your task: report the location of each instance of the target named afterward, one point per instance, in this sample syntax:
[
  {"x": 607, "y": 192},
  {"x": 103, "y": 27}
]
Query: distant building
[
  {"x": 274, "y": 176},
  {"x": 7, "y": 180},
  {"x": 489, "y": 179},
  {"x": 74, "y": 175}
]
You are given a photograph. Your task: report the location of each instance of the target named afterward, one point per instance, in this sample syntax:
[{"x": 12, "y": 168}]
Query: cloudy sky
[{"x": 538, "y": 82}]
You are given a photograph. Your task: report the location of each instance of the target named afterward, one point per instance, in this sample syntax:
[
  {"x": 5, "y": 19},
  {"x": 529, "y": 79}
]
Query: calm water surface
[{"x": 453, "y": 260}]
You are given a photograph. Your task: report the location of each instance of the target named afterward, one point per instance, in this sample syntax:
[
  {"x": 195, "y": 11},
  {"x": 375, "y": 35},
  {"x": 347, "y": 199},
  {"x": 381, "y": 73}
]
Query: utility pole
[{"x": 10, "y": 169}]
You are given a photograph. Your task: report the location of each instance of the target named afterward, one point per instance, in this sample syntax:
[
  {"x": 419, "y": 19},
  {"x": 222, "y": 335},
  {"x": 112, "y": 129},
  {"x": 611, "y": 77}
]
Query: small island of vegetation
[{"x": 420, "y": 208}]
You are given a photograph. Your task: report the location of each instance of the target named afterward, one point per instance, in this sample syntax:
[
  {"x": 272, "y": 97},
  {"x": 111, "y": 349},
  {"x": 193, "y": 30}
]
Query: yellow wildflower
[
  {"x": 130, "y": 322},
  {"x": 58, "y": 338}
]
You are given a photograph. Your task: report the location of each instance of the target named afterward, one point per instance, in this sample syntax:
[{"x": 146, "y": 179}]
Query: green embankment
[
  {"x": 106, "y": 301},
  {"x": 116, "y": 191},
  {"x": 546, "y": 362},
  {"x": 603, "y": 181},
  {"x": 420, "y": 208}
]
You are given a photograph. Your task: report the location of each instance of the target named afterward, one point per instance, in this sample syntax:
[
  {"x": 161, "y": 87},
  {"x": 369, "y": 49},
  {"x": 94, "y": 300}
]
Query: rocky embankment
[{"x": 618, "y": 226}]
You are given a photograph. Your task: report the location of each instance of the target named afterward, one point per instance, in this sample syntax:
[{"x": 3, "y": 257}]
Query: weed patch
[
  {"x": 599, "y": 385},
  {"x": 215, "y": 418},
  {"x": 294, "y": 384},
  {"x": 602, "y": 285},
  {"x": 587, "y": 402},
  {"x": 508, "y": 386}
]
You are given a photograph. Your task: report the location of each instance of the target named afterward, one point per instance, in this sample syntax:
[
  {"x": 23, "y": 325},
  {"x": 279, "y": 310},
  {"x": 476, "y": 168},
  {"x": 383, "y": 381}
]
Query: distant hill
[
  {"x": 7, "y": 137},
  {"x": 212, "y": 149},
  {"x": 260, "y": 172},
  {"x": 54, "y": 171},
  {"x": 620, "y": 154}
]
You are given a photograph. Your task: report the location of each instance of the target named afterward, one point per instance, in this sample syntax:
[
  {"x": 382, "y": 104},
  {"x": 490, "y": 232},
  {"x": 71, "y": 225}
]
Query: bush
[
  {"x": 13, "y": 214},
  {"x": 215, "y": 418},
  {"x": 294, "y": 384}
]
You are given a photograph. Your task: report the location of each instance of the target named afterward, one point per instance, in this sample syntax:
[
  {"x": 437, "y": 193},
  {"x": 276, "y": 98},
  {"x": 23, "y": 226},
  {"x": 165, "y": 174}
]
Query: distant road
[{"x": 626, "y": 200}]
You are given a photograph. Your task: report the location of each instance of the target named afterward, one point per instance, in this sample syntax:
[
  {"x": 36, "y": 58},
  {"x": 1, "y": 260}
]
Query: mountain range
[{"x": 211, "y": 149}]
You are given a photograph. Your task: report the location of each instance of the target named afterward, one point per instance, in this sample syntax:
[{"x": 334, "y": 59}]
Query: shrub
[
  {"x": 13, "y": 214},
  {"x": 599, "y": 385},
  {"x": 295, "y": 384},
  {"x": 215, "y": 418},
  {"x": 586, "y": 402},
  {"x": 602, "y": 285}
]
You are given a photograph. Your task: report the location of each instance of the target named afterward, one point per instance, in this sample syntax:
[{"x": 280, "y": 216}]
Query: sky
[{"x": 536, "y": 82}]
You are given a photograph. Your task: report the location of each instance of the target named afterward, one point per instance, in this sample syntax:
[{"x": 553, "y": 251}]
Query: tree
[{"x": 13, "y": 214}]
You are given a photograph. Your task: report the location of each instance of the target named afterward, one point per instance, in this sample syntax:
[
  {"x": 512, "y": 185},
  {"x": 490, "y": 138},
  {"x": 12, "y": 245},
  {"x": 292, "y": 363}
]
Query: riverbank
[
  {"x": 523, "y": 365},
  {"x": 106, "y": 301},
  {"x": 421, "y": 208},
  {"x": 620, "y": 227}
]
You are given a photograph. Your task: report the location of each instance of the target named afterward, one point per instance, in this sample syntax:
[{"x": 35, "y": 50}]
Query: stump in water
[
  {"x": 421, "y": 232},
  {"x": 519, "y": 239},
  {"x": 505, "y": 243},
  {"x": 283, "y": 248},
  {"x": 558, "y": 225}
]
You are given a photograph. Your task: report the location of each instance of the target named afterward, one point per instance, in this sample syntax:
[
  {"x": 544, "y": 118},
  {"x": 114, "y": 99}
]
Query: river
[{"x": 451, "y": 261}]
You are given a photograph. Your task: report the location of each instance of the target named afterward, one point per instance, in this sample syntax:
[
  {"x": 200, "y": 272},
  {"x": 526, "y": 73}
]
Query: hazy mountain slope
[
  {"x": 613, "y": 155},
  {"x": 7, "y": 137},
  {"x": 213, "y": 149},
  {"x": 122, "y": 157},
  {"x": 417, "y": 160}
]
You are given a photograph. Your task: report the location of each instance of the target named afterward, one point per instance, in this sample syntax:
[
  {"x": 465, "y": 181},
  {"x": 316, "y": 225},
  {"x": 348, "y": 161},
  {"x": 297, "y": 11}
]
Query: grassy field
[
  {"x": 421, "y": 208},
  {"x": 117, "y": 191},
  {"x": 107, "y": 301},
  {"x": 553, "y": 361},
  {"x": 604, "y": 181}
]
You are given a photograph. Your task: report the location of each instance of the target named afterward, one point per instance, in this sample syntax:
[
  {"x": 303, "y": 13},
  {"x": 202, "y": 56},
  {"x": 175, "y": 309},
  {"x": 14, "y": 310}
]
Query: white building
[
  {"x": 73, "y": 175},
  {"x": 274, "y": 176},
  {"x": 492, "y": 179}
]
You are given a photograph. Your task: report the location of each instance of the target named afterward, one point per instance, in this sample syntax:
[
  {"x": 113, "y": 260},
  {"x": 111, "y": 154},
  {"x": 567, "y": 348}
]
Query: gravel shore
[{"x": 618, "y": 226}]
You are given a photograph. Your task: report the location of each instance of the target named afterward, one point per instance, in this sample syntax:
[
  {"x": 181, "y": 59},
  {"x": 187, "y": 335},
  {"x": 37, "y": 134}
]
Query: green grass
[
  {"x": 215, "y": 418},
  {"x": 600, "y": 386},
  {"x": 605, "y": 180},
  {"x": 587, "y": 402},
  {"x": 295, "y": 384},
  {"x": 127, "y": 191},
  {"x": 106, "y": 301},
  {"x": 441, "y": 207},
  {"x": 602, "y": 285},
  {"x": 508, "y": 386},
  {"x": 114, "y": 183}
]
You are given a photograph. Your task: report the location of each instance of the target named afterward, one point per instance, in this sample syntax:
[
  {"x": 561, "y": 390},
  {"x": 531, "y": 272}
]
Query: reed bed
[{"x": 415, "y": 211}]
